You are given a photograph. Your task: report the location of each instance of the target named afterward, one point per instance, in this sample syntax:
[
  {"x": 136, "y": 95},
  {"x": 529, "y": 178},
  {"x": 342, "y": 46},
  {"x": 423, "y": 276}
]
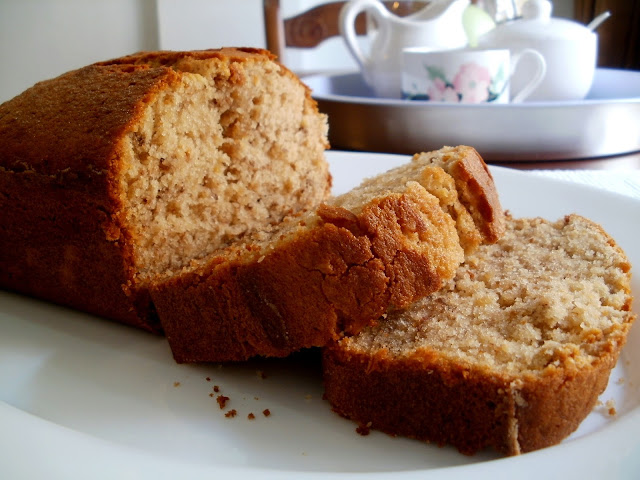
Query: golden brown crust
[
  {"x": 81, "y": 270},
  {"x": 340, "y": 274},
  {"x": 555, "y": 405},
  {"x": 479, "y": 194},
  {"x": 476, "y": 188},
  {"x": 168, "y": 57},
  {"x": 63, "y": 239},
  {"x": 444, "y": 403},
  {"x": 426, "y": 401}
]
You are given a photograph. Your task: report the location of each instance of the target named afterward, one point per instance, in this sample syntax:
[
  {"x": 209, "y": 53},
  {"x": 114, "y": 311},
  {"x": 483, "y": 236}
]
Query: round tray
[{"x": 606, "y": 123}]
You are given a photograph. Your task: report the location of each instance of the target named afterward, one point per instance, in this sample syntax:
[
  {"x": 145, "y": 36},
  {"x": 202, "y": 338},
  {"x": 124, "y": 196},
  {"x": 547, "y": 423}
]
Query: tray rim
[
  {"x": 371, "y": 100},
  {"x": 598, "y": 127}
]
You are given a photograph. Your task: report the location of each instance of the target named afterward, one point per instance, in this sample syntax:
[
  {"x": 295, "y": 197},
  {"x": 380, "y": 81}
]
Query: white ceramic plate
[
  {"x": 83, "y": 398},
  {"x": 606, "y": 123}
]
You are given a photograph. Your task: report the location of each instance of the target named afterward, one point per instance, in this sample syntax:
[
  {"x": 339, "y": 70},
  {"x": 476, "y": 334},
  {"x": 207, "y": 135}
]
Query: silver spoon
[{"x": 595, "y": 23}]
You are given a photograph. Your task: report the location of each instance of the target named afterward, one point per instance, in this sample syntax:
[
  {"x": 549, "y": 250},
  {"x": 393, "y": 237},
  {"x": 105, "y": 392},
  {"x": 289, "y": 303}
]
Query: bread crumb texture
[
  {"x": 233, "y": 147},
  {"x": 547, "y": 295}
]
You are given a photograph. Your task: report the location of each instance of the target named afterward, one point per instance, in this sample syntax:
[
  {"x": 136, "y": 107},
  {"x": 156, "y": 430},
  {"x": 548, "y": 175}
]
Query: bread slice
[
  {"x": 117, "y": 171},
  {"x": 512, "y": 354},
  {"x": 336, "y": 269}
]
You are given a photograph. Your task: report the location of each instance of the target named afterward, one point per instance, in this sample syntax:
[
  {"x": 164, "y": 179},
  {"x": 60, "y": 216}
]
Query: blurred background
[{"x": 41, "y": 39}]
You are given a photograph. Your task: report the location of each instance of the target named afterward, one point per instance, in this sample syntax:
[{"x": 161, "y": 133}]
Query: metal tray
[{"x": 606, "y": 123}]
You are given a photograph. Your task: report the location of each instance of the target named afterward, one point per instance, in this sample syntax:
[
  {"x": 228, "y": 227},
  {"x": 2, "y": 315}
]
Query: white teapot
[
  {"x": 569, "y": 49},
  {"x": 438, "y": 25}
]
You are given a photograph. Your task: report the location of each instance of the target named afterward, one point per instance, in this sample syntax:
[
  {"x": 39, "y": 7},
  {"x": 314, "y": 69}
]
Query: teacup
[{"x": 468, "y": 75}]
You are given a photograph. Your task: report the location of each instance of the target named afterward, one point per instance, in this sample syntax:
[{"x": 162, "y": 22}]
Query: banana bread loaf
[
  {"x": 336, "y": 269},
  {"x": 512, "y": 353},
  {"x": 120, "y": 170}
]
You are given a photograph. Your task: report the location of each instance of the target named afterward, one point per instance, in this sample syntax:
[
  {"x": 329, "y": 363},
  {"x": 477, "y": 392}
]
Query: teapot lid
[
  {"x": 537, "y": 10},
  {"x": 536, "y": 22}
]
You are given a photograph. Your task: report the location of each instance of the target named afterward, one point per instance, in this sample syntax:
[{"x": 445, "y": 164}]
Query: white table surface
[{"x": 622, "y": 182}]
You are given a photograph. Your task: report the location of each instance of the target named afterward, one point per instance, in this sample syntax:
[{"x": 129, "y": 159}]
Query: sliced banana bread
[
  {"x": 336, "y": 269},
  {"x": 511, "y": 354}
]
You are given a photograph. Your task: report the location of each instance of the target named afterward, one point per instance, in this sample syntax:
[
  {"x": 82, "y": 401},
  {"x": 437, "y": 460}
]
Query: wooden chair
[{"x": 310, "y": 28}]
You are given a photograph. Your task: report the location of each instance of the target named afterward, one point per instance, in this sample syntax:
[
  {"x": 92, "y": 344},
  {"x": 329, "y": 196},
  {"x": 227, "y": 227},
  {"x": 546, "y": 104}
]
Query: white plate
[
  {"x": 84, "y": 398},
  {"x": 606, "y": 123}
]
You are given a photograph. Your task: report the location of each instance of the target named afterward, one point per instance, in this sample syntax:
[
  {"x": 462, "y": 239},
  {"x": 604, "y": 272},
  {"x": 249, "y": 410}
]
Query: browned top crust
[
  {"x": 172, "y": 59},
  {"x": 479, "y": 194},
  {"x": 475, "y": 185},
  {"x": 67, "y": 125},
  {"x": 191, "y": 61}
]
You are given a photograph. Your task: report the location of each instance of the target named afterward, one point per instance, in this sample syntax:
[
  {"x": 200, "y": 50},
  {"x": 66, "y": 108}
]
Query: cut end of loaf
[
  {"x": 459, "y": 178},
  {"x": 234, "y": 146},
  {"x": 548, "y": 295}
]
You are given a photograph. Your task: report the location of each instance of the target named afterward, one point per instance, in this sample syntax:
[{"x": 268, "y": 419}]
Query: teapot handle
[{"x": 347, "y": 22}]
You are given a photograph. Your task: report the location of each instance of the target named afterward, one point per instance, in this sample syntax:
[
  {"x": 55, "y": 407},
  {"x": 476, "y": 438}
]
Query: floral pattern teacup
[{"x": 466, "y": 75}]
